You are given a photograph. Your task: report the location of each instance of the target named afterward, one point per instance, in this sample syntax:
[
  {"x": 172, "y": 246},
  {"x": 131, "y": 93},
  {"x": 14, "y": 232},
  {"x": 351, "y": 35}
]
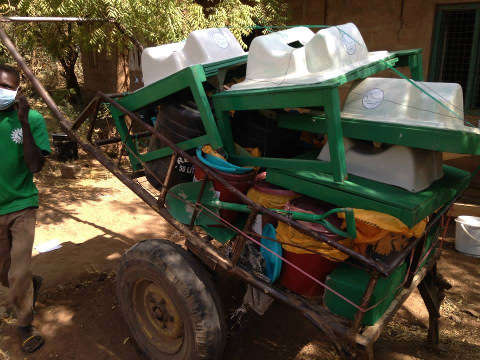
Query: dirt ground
[{"x": 97, "y": 219}]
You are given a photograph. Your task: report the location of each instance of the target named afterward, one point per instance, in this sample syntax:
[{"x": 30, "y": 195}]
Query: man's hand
[
  {"x": 31, "y": 153},
  {"x": 22, "y": 107}
]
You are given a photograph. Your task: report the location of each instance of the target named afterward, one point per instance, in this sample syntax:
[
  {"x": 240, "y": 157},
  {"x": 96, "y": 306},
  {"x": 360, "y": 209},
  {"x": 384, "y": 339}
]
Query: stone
[{"x": 69, "y": 171}]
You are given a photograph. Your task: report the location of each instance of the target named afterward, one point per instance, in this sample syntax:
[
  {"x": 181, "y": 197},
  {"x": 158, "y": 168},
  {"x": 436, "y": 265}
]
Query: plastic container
[
  {"x": 240, "y": 181},
  {"x": 201, "y": 47},
  {"x": 351, "y": 283},
  {"x": 467, "y": 235},
  {"x": 178, "y": 122},
  {"x": 398, "y": 101},
  {"x": 65, "y": 148},
  {"x": 409, "y": 168},
  {"x": 298, "y": 56},
  {"x": 270, "y": 196},
  {"x": 313, "y": 264},
  {"x": 220, "y": 164},
  {"x": 316, "y": 265}
]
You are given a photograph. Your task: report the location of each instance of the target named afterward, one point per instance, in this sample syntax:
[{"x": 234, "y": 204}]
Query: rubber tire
[{"x": 190, "y": 288}]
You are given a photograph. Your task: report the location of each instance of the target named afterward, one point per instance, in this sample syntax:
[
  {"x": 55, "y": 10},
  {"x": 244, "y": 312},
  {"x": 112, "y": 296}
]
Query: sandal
[
  {"x": 32, "y": 340},
  {"x": 37, "y": 283}
]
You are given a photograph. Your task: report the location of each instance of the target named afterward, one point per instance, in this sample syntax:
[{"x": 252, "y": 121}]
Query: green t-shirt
[{"x": 17, "y": 190}]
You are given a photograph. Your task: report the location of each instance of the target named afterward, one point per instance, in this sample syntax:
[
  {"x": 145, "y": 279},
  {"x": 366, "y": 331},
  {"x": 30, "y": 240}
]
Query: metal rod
[
  {"x": 359, "y": 315},
  {"x": 94, "y": 120},
  {"x": 52, "y": 19},
  {"x": 240, "y": 240},
  {"x": 65, "y": 124},
  {"x": 85, "y": 114},
  {"x": 198, "y": 202},
  {"x": 118, "y": 139},
  {"x": 118, "y": 95},
  {"x": 398, "y": 259},
  {"x": 124, "y": 31},
  {"x": 166, "y": 182}
]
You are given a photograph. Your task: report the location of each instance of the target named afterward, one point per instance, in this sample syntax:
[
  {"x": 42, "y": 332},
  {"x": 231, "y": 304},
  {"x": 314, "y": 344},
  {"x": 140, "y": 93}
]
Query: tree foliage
[{"x": 152, "y": 22}]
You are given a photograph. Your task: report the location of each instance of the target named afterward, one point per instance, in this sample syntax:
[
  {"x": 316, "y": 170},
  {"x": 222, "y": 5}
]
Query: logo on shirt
[{"x": 17, "y": 136}]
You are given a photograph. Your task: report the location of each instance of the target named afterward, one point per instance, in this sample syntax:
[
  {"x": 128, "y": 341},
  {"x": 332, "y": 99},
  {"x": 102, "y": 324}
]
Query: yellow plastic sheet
[
  {"x": 269, "y": 200},
  {"x": 287, "y": 234}
]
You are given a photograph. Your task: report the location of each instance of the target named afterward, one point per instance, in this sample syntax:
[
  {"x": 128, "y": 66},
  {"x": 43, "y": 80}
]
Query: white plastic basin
[
  {"x": 398, "y": 101},
  {"x": 278, "y": 59},
  {"x": 201, "y": 47},
  {"x": 409, "y": 168}
]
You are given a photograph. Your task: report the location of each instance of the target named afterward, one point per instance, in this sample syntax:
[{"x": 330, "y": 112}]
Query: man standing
[{"x": 23, "y": 144}]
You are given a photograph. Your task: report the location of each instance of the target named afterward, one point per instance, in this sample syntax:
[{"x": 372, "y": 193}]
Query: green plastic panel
[
  {"x": 358, "y": 192},
  {"x": 351, "y": 283}
]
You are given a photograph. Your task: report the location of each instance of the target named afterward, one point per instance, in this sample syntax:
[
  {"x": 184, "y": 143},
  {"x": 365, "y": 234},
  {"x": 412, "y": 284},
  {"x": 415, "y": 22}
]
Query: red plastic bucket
[
  {"x": 240, "y": 181},
  {"x": 315, "y": 265},
  {"x": 262, "y": 186}
]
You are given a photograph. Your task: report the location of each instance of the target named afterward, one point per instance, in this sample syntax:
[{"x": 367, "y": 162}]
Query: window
[{"x": 455, "y": 50}]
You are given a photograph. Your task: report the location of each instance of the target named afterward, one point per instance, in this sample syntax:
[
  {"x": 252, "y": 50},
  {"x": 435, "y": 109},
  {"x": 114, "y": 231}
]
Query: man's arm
[{"x": 32, "y": 154}]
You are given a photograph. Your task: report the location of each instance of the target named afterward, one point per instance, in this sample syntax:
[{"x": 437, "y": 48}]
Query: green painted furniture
[
  {"x": 192, "y": 78},
  {"x": 325, "y": 94}
]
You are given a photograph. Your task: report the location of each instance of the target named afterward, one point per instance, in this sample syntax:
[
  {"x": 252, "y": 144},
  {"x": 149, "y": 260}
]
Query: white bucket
[{"x": 467, "y": 235}]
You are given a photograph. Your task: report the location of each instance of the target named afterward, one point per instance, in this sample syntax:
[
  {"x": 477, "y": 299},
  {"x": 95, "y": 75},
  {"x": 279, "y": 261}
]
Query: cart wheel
[{"x": 169, "y": 302}]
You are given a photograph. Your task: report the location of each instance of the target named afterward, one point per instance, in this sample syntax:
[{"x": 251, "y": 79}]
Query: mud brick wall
[{"x": 108, "y": 73}]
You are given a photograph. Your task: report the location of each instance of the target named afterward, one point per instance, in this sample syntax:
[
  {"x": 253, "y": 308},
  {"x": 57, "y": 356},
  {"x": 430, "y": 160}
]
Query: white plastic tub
[
  {"x": 409, "y": 168},
  {"x": 299, "y": 56},
  {"x": 201, "y": 47},
  {"x": 467, "y": 235},
  {"x": 397, "y": 101}
]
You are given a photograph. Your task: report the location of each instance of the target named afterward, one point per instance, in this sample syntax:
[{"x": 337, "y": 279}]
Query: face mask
[{"x": 7, "y": 97}]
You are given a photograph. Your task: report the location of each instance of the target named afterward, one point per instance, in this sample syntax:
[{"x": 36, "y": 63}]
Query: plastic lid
[{"x": 273, "y": 263}]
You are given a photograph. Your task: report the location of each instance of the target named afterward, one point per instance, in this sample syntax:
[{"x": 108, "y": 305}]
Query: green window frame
[{"x": 469, "y": 79}]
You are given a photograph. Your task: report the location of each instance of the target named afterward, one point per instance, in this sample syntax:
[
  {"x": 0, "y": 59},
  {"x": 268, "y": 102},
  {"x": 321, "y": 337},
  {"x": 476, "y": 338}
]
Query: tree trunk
[
  {"x": 71, "y": 80},
  {"x": 68, "y": 64}
]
